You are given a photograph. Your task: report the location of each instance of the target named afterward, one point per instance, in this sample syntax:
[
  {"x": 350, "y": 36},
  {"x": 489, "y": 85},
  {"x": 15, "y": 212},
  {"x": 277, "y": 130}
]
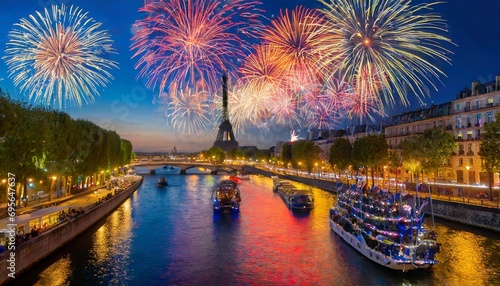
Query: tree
[
  {"x": 307, "y": 152},
  {"x": 489, "y": 151},
  {"x": 436, "y": 146},
  {"x": 412, "y": 154},
  {"x": 370, "y": 151},
  {"x": 286, "y": 153},
  {"x": 216, "y": 155},
  {"x": 340, "y": 154},
  {"x": 126, "y": 147},
  {"x": 395, "y": 162}
]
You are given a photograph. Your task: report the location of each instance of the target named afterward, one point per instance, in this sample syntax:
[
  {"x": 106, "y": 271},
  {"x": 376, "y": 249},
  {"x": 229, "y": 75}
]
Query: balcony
[
  {"x": 470, "y": 153},
  {"x": 449, "y": 127},
  {"x": 461, "y": 152}
]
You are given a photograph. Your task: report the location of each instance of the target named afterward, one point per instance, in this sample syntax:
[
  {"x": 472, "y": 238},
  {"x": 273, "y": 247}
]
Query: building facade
[{"x": 465, "y": 118}]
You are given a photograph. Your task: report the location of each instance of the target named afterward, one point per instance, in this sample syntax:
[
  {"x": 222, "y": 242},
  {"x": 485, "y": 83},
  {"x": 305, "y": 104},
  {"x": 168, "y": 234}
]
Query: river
[{"x": 171, "y": 237}]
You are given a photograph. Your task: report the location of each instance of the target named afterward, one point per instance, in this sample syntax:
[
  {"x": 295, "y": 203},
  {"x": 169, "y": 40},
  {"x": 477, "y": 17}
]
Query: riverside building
[{"x": 465, "y": 118}]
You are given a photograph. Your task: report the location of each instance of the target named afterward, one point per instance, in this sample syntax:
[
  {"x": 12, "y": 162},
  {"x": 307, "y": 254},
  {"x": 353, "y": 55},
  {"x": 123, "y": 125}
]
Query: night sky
[{"x": 128, "y": 107}]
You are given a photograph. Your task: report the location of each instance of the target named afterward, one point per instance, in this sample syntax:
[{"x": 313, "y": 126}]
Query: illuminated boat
[
  {"x": 161, "y": 182},
  {"x": 226, "y": 197},
  {"x": 385, "y": 228},
  {"x": 296, "y": 199}
]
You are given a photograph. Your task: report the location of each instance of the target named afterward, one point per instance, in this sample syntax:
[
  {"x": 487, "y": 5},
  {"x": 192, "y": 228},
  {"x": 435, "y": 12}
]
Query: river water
[{"x": 171, "y": 237}]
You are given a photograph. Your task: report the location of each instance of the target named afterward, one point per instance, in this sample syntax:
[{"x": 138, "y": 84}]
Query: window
[
  {"x": 489, "y": 116},
  {"x": 460, "y": 161},
  {"x": 469, "y": 134},
  {"x": 469, "y": 147},
  {"x": 471, "y": 161},
  {"x": 478, "y": 120}
]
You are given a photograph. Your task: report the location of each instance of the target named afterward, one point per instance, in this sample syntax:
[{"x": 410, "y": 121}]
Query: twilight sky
[{"x": 128, "y": 107}]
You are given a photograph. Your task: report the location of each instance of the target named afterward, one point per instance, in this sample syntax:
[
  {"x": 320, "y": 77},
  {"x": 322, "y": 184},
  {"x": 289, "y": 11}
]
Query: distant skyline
[{"x": 136, "y": 113}]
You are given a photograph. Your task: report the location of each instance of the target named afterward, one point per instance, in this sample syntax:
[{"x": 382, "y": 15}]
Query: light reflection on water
[{"x": 170, "y": 236}]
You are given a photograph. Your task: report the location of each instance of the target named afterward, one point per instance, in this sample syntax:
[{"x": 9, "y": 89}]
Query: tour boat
[
  {"x": 296, "y": 199},
  {"x": 277, "y": 182},
  {"x": 385, "y": 228},
  {"x": 226, "y": 197},
  {"x": 161, "y": 182}
]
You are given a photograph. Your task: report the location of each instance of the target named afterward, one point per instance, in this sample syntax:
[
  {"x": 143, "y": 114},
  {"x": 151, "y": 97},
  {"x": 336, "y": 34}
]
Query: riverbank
[
  {"x": 37, "y": 247},
  {"x": 471, "y": 212}
]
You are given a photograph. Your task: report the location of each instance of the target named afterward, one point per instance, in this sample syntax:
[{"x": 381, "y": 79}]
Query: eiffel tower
[{"x": 225, "y": 137}]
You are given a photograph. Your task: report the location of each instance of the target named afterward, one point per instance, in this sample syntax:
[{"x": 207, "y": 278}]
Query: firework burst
[
  {"x": 59, "y": 56},
  {"x": 192, "y": 42},
  {"x": 188, "y": 111},
  {"x": 393, "y": 41},
  {"x": 295, "y": 37}
]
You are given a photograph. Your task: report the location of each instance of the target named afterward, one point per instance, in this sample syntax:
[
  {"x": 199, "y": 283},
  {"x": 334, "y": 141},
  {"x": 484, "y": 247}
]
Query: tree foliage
[
  {"x": 370, "y": 151},
  {"x": 306, "y": 152},
  {"x": 286, "y": 153},
  {"x": 216, "y": 155},
  {"x": 490, "y": 151},
  {"x": 40, "y": 143},
  {"x": 436, "y": 145},
  {"x": 341, "y": 154}
]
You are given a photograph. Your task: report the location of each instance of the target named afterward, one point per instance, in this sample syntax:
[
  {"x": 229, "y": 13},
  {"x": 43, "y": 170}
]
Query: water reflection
[
  {"x": 57, "y": 273},
  {"x": 111, "y": 246}
]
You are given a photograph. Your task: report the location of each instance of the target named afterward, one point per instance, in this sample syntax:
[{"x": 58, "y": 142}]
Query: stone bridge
[{"x": 186, "y": 165}]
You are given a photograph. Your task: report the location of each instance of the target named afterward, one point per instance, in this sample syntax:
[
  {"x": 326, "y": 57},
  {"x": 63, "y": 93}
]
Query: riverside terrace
[{"x": 36, "y": 220}]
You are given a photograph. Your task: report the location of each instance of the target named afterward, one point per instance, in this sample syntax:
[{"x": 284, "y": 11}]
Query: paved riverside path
[
  {"x": 34, "y": 205},
  {"x": 83, "y": 199}
]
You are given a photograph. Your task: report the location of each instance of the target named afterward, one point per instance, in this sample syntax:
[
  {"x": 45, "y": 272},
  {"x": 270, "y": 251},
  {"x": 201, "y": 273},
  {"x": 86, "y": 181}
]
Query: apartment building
[{"x": 464, "y": 117}]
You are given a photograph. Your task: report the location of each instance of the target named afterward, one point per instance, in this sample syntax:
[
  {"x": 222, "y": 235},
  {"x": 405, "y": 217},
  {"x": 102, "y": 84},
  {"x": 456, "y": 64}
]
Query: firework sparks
[
  {"x": 192, "y": 42},
  {"x": 322, "y": 116},
  {"x": 188, "y": 112},
  {"x": 263, "y": 69},
  {"x": 59, "y": 56},
  {"x": 294, "y": 37},
  {"x": 391, "y": 40}
]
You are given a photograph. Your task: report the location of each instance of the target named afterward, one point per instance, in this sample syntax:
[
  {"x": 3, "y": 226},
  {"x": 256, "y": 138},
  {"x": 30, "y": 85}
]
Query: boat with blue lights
[
  {"x": 226, "y": 197},
  {"x": 386, "y": 228}
]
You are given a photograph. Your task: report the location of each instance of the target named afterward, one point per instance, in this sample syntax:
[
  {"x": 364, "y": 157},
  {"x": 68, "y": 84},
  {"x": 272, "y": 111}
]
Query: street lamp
[
  {"x": 4, "y": 181},
  {"x": 317, "y": 170},
  {"x": 54, "y": 178}
]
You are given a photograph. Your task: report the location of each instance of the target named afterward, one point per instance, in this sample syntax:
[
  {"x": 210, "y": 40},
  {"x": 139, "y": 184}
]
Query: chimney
[
  {"x": 497, "y": 82},
  {"x": 474, "y": 86}
]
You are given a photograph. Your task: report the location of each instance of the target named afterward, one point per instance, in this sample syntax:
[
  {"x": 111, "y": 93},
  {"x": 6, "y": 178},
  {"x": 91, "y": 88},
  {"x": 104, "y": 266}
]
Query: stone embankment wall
[
  {"x": 37, "y": 248},
  {"x": 481, "y": 217}
]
